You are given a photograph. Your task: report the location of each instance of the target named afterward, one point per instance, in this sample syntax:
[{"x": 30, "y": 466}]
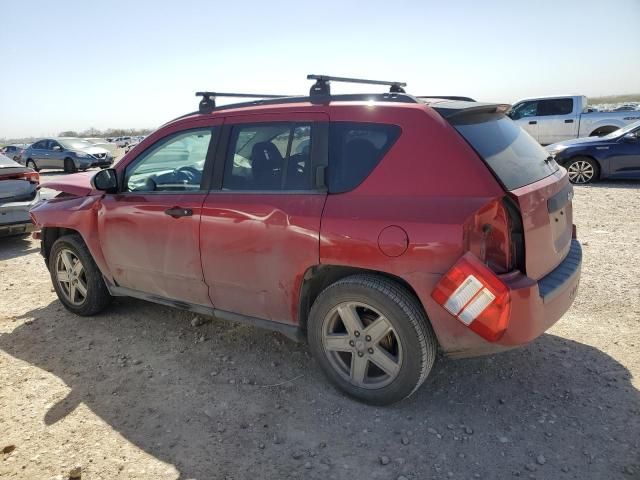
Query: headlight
[
  {"x": 554, "y": 150},
  {"x": 82, "y": 155}
]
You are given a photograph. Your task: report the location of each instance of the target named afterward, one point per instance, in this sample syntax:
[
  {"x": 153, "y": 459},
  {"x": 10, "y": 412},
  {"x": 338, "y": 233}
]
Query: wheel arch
[
  {"x": 49, "y": 237},
  {"x": 319, "y": 277},
  {"x": 603, "y": 130}
]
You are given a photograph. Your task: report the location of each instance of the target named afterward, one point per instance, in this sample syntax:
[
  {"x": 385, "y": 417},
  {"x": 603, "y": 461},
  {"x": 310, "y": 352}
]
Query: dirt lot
[{"x": 140, "y": 393}]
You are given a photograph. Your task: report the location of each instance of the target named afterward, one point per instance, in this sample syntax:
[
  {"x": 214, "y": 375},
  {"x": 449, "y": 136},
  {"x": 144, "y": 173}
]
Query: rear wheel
[
  {"x": 31, "y": 164},
  {"x": 371, "y": 338},
  {"x": 76, "y": 278},
  {"x": 69, "y": 166},
  {"x": 582, "y": 170}
]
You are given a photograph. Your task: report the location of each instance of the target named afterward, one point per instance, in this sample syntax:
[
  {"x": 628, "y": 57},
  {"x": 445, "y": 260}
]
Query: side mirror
[
  {"x": 105, "y": 180},
  {"x": 630, "y": 138}
]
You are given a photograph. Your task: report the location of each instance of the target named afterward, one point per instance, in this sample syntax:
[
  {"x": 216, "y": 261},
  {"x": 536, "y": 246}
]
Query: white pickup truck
[{"x": 555, "y": 119}]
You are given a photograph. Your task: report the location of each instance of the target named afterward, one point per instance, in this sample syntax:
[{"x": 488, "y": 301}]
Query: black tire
[
  {"x": 97, "y": 297},
  {"x": 69, "y": 166},
  {"x": 31, "y": 164},
  {"x": 408, "y": 320},
  {"x": 582, "y": 170}
]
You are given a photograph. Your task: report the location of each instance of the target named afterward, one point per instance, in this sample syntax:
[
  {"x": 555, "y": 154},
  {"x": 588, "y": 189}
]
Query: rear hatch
[{"x": 538, "y": 186}]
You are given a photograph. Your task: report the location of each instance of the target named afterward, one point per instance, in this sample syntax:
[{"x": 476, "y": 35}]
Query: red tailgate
[{"x": 547, "y": 218}]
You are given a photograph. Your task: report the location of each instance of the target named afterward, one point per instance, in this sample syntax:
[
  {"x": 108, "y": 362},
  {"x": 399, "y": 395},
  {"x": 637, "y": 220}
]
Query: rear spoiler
[{"x": 456, "y": 111}]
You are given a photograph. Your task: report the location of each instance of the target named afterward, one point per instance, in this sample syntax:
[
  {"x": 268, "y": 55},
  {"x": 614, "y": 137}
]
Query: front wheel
[
  {"x": 76, "y": 277},
  {"x": 582, "y": 170},
  {"x": 372, "y": 339}
]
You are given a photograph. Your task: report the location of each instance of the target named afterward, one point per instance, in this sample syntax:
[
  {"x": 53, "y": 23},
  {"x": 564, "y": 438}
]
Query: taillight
[
  {"x": 487, "y": 235},
  {"x": 33, "y": 177},
  {"x": 473, "y": 294}
]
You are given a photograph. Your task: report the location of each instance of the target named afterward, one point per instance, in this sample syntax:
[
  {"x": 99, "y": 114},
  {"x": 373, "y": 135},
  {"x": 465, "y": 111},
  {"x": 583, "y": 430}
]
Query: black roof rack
[
  {"x": 208, "y": 102},
  {"x": 322, "y": 88}
]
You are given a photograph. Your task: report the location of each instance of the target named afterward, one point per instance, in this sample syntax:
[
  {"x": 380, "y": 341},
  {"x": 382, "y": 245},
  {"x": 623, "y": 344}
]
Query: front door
[
  {"x": 624, "y": 161},
  {"x": 260, "y": 229},
  {"x": 525, "y": 114},
  {"x": 149, "y": 231}
]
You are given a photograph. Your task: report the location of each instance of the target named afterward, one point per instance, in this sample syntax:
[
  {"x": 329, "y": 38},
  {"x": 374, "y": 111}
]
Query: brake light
[
  {"x": 33, "y": 177},
  {"x": 487, "y": 235},
  {"x": 475, "y": 295}
]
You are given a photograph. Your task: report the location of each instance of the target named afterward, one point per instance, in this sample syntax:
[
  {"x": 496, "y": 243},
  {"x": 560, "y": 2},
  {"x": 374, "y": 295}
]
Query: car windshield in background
[
  {"x": 622, "y": 131},
  {"x": 510, "y": 152},
  {"x": 71, "y": 143}
]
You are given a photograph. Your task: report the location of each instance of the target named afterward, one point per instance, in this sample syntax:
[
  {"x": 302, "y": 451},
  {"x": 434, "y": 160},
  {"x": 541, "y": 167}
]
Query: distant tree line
[{"x": 109, "y": 132}]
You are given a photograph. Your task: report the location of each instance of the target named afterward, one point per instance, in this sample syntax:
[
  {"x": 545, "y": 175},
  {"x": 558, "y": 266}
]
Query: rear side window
[
  {"x": 269, "y": 157},
  {"x": 355, "y": 149},
  {"x": 556, "y": 106},
  {"x": 510, "y": 152}
]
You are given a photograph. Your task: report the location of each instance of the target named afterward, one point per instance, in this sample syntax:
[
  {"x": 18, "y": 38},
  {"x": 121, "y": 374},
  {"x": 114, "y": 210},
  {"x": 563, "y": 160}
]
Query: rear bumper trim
[{"x": 552, "y": 284}]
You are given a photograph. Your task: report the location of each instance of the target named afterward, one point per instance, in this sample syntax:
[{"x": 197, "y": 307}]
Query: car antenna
[
  {"x": 322, "y": 87},
  {"x": 208, "y": 102}
]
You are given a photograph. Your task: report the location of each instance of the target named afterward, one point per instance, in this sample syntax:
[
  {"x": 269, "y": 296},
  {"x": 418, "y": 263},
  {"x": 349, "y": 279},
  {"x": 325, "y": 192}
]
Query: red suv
[{"x": 380, "y": 228}]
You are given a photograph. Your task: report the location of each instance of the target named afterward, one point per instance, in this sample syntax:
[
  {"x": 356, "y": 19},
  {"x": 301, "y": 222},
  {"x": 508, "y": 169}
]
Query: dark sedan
[{"x": 616, "y": 155}]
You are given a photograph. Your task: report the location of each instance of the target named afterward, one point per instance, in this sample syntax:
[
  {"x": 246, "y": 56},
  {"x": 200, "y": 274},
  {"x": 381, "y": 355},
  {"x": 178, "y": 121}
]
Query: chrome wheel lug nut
[
  {"x": 367, "y": 338},
  {"x": 356, "y": 333},
  {"x": 351, "y": 342},
  {"x": 360, "y": 354},
  {"x": 370, "y": 351}
]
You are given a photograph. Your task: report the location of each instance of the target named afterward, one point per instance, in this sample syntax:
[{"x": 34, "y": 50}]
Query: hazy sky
[{"x": 79, "y": 64}]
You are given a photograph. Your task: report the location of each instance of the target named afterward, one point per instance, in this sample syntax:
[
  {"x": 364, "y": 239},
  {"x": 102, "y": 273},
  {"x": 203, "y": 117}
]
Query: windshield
[
  {"x": 623, "y": 130},
  {"x": 71, "y": 143}
]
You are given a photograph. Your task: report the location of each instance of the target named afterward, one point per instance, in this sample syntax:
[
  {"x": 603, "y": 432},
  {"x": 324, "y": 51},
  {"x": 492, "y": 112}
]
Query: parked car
[
  {"x": 18, "y": 193},
  {"x": 102, "y": 143},
  {"x": 122, "y": 142},
  {"x": 332, "y": 219},
  {"x": 134, "y": 141},
  {"x": 70, "y": 154},
  {"x": 555, "y": 119},
  {"x": 616, "y": 155},
  {"x": 14, "y": 151}
]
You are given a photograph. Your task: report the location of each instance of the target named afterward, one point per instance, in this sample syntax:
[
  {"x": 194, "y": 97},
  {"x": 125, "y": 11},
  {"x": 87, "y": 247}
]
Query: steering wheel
[{"x": 190, "y": 174}]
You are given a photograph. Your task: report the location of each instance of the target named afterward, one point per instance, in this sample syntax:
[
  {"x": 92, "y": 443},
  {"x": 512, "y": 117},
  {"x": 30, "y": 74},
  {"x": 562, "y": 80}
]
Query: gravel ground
[{"x": 144, "y": 392}]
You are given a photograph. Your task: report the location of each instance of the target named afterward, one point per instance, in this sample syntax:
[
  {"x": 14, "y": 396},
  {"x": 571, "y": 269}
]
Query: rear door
[
  {"x": 260, "y": 228},
  {"x": 39, "y": 153},
  {"x": 538, "y": 186},
  {"x": 558, "y": 121}
]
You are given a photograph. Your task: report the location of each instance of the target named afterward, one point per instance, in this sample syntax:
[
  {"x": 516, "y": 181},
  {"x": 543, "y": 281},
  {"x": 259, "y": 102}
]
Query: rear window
[
  {"x": 510, "y": 152},
  {"x": 355, "y": 149}
]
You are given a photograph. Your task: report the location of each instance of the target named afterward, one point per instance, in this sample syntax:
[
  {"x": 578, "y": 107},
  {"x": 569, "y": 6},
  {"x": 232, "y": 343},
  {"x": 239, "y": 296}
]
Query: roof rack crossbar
[
  {"x": 321, "y": 87},
  {"x": 208, "y": 102}
]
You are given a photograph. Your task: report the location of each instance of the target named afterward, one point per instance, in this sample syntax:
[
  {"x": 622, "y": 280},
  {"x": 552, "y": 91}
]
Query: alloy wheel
[
  {"x": 71, "y": 277},
  {"x": 581, "y": 171},
  {"x": 362, "y": 345}
]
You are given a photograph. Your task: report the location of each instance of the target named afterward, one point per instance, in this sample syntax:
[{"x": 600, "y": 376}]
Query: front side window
[
  {"x": 354, "y": 151},
  {"x": 41, "y": 145},
  {"x": 556, "y": 106},
  {"x": 525, "y": 109},
  {"x": 175, "y": 164},
  {"x": 269, "y": 157}
]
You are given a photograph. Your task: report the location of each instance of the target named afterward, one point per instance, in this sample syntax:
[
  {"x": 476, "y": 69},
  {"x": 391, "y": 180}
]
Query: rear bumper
[
  {"x": 15, "y": 218},
  {"x": 535, "y": 307}
]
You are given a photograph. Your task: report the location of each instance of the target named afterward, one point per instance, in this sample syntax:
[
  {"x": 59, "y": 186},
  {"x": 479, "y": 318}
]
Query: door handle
[
  {"x": 177, "y": 212},
  {"x": 533, "y": 122},
  {"x": 568, "y": 121}
]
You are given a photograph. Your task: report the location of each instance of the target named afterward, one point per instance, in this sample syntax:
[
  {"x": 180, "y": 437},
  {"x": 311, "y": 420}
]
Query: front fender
[{"x": 79, "y": 214}]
